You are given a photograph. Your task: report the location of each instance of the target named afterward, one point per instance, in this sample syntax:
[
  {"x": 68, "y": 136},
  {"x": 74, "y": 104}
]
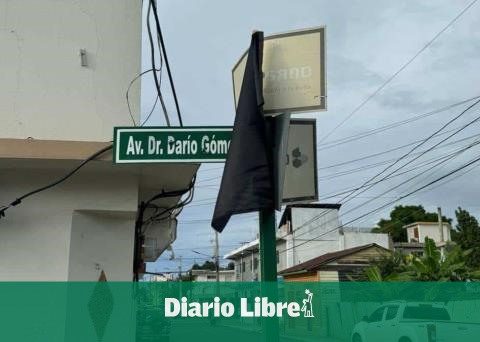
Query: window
[
  {"x": 278, "y": 257},
  {"x": 391, "y": 312},
  {"x": 243, "y": 266},
  {"x": 211, "y": 277},
  {"x": 415, "y": 232},
  {"x": 426, "y": 312},
  {"x": 255, "y": 263},
  {"x": 377, "y": 315}
]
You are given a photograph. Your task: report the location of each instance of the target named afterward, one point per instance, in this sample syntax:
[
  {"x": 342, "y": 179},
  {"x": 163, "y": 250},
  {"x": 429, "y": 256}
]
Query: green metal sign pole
[
  {"x": 268, "y": 250},
  {"x": 268, "y": 262}
]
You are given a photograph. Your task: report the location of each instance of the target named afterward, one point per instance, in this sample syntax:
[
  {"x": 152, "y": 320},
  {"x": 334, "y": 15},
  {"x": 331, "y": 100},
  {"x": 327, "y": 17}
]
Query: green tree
[
  {"x": 207, "y": 265},
  {"x": 401, "y": 216},
  {"x": 387, "y": 268},
  {"x": 467, "y": 236},
  {"x": 428, "y": 267}
]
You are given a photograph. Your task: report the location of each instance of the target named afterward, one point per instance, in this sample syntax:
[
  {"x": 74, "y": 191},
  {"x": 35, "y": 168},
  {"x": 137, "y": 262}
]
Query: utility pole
[
  {"x": 180, "y": 268},
  {"x": 241, "y": 266},
  {"x": 440, "y": 226},
  {"x": 440, "y": 223}
]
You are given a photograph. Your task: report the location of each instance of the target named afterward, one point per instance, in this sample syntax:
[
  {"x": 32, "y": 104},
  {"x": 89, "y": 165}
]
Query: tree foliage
[
  {"x": 467, "y": 236},
  {"x": 431, "y": 266},
  {"x": 403, "y": 215},
  {"x": 207, "y": 265}
]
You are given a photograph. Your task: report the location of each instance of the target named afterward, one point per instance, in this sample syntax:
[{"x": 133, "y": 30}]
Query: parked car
[{"x": 413, "y": 322}]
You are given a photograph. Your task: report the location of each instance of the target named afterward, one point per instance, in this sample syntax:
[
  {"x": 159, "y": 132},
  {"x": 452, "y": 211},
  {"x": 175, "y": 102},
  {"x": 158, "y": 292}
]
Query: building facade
[
  {"x": 418, "y": 231},
  {"x": 305, "y": 231},
  {"x": 209, "y": 275},
  {"x": 65, "y": 69},
  {"x": 343, "y": 265}
]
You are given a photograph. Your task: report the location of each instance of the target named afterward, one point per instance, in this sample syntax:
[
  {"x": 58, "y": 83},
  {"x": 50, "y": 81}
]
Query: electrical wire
[
  {"x": 128, "y": 92},
  {"x": 475, "y": 160},
  {"x": 202, "y": 184},
  {"x": 151, "y": 112},
  {"x": 370, "y": 132},
  {"x": 392, "y": 150},
  {"x": 162, "y": 44},
  {"x": 315, "y": 218},
  {"x": 336, "y": 175},
  {"x": 339, "y": 193},
  {"x": 420, "y": 144},
  {"x": 19, "y": 200},
  {"x": 152, "y": 57},
  {"x": 140, "y": 222},
  {"x": 403, "y": 67},
  {"x": 367, "y": 133}
]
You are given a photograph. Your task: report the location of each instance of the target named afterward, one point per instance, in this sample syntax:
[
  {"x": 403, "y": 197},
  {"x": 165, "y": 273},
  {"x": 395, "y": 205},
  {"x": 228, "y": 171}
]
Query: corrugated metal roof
[{"x": 315, "y": 263}]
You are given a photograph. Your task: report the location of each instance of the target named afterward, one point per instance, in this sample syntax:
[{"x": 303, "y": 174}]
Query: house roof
[
  {"x": 287, "y": 213},
  {"x": 315, "y": 263}
]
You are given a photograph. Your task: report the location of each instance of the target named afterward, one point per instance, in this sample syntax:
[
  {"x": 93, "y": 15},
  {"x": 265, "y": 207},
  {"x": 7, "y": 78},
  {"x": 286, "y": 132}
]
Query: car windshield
[{"x": 427, "y": 312}]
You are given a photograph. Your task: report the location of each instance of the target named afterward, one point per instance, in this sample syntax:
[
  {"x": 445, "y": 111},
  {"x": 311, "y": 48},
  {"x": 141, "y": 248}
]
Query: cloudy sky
[{"x": 367, "y": 42}]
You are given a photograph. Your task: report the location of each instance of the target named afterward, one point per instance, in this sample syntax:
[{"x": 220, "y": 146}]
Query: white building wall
[
  {"x": 45, "y": 93},
  {"x": 101, "y": 241},
  {"x": 431, "y": 231},
  {"x": 315, "y": 232},
  {"x": 251, "y": 258},
  {"x": 356, "y": 239},
  {"x": 212, "y": 276},
  {"x": 35, "y": 236}
]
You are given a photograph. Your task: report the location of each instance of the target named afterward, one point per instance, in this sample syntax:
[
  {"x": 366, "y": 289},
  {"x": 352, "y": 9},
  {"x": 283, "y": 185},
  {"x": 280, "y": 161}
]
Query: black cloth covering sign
[{"x": 247, "y": 182}]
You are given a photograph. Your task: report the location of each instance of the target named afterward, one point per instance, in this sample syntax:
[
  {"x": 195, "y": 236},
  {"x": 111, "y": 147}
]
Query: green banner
[
  {"x": 187, "y": 311},
  {"x": 160, "y": 144}
]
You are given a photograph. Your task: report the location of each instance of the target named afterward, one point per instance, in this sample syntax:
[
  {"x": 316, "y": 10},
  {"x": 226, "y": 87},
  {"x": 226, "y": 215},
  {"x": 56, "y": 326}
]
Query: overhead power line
[
  {"x": 360, "y": 168},
  {"x": 317, "y": 217},
  {"x": 370, "y": 132},
  {"x": 474, "y": 161},
  {"x": 164, "y": 51},
  {"x": 339, "y": 193},
  {"x": 403, "y": 67},
  {"x": 128, "y": 97},
  {"x": 383, "y": 162},
  {"x": 152, "y": 57},
  {"x": 419, "y": 145},
  {"x": 19, "y": 200}
]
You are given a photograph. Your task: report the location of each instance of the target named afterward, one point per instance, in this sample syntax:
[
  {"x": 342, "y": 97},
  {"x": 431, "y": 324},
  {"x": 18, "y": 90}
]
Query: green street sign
[{"x": 171, "y": 145}]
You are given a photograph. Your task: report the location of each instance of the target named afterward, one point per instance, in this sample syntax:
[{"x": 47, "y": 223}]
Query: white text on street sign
[{"x": 180, "y": 145}]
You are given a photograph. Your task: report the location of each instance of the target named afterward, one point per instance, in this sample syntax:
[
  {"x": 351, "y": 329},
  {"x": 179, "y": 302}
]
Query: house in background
[
  {"x": 418, "y": 231},
  {"x": 344, "y": 265},
  {"x": 306, "y": 231},
  {"x": 159, "y": 277},
  {"x": 247, "y": 260},
  {"x": 211, "y": 275}
]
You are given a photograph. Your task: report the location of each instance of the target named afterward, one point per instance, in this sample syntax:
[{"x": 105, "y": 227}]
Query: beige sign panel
[
  {"x": 300, "y": 182},
  {"x": 294, "y": 72}
]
